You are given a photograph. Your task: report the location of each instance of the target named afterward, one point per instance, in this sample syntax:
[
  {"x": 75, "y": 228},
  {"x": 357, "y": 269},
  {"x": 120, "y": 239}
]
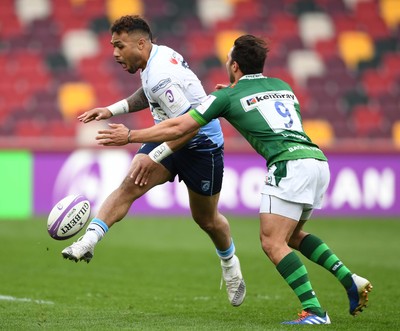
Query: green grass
[{"x": 163, "y": 274}]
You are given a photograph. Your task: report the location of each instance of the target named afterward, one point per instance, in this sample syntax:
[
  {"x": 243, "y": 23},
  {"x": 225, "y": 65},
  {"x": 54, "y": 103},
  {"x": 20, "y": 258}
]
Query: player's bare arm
[
  {"x": 147, "y": 165},
  {"x": 167, "y": 130},
  {"x": 137, "y": 101},
  {"x": 119, "y": 135}
]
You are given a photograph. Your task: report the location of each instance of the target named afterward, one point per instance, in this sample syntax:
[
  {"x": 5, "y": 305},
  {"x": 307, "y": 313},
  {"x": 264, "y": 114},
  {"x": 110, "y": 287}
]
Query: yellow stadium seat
[
  {"x": 390, "y": 12},
  {"x": 118, "y": 8},
  {"x": 320, "y": 131},
  {"x": 234, "y": 2},
  {"x": 355, "y": 46},
  {"x": 75, "y": 98},
  {"x": 224, "y": 42},
  {"x": 78, "y": 3},
  {"x": 396, "y": 133}
]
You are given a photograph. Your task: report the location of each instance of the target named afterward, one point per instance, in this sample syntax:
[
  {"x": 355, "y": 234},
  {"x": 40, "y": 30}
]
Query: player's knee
[
  {"x": 128, "y": 188},
  {"x": 268, "y": 245},
  {"x": 126, "y": 185},
  {"x": 296, "y": 239},
  {"x": 206, "y": 222},
  {"x": 206, "y": 225}
]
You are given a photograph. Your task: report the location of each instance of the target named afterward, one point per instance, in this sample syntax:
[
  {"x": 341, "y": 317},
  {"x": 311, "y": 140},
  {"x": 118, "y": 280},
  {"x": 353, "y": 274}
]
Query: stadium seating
[
  {"x": 117, "y": 8},
  {"x": 304, "y": 64},
  {"x": 377, "y": 82},
  {"x": 368, "y": 121},
  {"x": 320, "y": 131},
  {"x": 75, "y": 98},
  {"x": 355, "y": 46},
  {"x": 341, "y": 57},
  {"x": 315, "y": 26},
  {"x": 396, "y": 133},
  {"x": 224, "y": 41},
  {"x": 390, "y": 12}
]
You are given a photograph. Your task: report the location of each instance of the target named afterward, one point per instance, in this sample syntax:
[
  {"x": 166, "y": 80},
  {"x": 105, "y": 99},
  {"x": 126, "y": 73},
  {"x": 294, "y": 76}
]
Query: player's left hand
[
  {"x": 144, "y": 167},
  {"x": 117, "y": 135}
]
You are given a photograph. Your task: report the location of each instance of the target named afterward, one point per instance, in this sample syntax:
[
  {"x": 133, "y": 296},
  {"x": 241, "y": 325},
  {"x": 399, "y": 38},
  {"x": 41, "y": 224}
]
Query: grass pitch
[{"x": 163, "y": 274}]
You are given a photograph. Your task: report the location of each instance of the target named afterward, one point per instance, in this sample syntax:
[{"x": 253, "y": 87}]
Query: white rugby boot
[
  {"x": 79, "y": 251},
  {"x": 235, "y": 285}
]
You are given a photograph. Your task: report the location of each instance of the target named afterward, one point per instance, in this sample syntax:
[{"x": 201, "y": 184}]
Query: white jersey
[{"x": 172, "y": 89}]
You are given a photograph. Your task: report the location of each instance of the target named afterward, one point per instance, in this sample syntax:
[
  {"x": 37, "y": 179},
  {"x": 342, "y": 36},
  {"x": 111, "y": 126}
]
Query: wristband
[
  {"x": 160, "y": 152},
  {"x": 129, "y": 136},
  {"x": 120, "y": 107}
]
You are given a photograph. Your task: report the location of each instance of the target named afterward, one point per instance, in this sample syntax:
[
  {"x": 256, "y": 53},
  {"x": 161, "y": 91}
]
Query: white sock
[
  {"x": 228, "y": 254},
  {"x": 95, "y": 231}
]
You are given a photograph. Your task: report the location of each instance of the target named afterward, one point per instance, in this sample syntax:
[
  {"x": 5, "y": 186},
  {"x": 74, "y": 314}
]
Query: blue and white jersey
[{"x": 173, "y": 89}]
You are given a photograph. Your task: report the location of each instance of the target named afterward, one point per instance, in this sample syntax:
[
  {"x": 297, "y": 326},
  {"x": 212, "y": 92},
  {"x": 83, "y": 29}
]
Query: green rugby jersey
[{"x": 267, "y": 113}]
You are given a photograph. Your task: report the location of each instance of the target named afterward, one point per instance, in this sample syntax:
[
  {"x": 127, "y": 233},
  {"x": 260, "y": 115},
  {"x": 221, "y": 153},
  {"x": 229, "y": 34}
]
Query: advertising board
[{"x": 360, "y": 184}]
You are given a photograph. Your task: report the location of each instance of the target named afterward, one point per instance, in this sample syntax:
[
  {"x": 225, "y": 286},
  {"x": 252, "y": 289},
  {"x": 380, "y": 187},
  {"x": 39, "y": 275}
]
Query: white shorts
[{"x": 296, "y": 189}]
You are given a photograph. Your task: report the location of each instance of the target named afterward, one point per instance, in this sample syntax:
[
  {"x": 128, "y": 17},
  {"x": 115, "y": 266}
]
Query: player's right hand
[
  {"x": 144, "y": 167},
  {"x": 95, "y": 114}
]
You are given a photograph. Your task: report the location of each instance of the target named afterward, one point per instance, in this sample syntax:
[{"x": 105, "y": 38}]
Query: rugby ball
[{"x": 68, "y": 217}]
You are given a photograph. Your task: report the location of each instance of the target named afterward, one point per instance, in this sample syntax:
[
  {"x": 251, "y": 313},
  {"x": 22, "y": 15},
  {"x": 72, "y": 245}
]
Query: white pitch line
[{"x": 10, "y": 298}]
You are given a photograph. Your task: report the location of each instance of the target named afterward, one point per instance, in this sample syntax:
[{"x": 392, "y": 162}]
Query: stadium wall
[{"x": 32, "y": 182}]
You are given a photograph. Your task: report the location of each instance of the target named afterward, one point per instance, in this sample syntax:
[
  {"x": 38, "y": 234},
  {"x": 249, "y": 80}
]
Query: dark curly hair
[
  {"x": 250, "y": 53},
  {"x": 131, "y": 23}
]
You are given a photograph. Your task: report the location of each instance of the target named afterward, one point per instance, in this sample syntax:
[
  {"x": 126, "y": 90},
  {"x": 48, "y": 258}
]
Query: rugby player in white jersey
[
  {"x": 266, "y": 112},
  {"x": 170, "y": 89}
]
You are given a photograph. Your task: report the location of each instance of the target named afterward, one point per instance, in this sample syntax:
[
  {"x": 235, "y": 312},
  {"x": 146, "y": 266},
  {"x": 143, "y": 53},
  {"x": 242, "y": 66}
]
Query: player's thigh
[
  {"x": 159, "y": 176},
  {"x": 283, "y": 220},
  {"x": 276, "y": 229},
  {"x": 279, "y": 218},
  {"x": 204, "y": 208}
]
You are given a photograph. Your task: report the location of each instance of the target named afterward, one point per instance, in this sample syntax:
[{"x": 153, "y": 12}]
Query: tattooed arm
[{"x": 135, "y": 102}]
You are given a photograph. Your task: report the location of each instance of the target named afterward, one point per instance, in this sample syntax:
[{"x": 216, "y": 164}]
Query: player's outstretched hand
[
  {"x": 117, "y": 135},
  {"x": 95, "y": 114},
  {"x": 143, "y": 169}
]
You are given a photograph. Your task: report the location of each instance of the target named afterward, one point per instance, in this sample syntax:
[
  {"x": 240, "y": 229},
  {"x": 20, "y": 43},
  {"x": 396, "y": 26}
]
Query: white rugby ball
[{"x": 68, "y": 217}]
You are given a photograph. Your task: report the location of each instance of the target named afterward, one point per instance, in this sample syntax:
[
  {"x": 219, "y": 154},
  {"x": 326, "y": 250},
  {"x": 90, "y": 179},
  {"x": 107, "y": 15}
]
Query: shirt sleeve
[
  {"x": 213, "y": 107},
  {"x": 197, "y": 117}
]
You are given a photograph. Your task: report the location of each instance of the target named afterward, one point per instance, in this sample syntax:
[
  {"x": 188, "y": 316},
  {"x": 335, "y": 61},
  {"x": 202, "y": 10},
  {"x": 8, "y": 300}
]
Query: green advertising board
[{"x": 16, "y": 184}]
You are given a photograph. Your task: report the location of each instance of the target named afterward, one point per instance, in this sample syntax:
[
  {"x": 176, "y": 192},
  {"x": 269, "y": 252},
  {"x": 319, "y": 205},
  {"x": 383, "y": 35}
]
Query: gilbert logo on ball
[{"x": 68, "y": 217}]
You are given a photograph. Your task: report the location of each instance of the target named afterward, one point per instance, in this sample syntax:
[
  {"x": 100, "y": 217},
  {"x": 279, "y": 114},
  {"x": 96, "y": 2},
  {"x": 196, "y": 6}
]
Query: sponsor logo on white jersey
[{"x": 161, "y": 84}]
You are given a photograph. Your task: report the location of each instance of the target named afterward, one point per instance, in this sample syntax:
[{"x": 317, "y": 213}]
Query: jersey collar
[
  {"x": 252, "y": 76},
  {"x": 154, "y": 50}
]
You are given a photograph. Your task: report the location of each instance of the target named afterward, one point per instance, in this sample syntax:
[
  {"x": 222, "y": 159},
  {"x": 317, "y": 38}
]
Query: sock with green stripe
[
  {"x": 318, "y": 252},
  {"x": 295, "y": 274}
]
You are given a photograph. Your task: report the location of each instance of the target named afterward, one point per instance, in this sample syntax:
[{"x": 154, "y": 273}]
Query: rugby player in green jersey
[{"x": 266, "y": 112}]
